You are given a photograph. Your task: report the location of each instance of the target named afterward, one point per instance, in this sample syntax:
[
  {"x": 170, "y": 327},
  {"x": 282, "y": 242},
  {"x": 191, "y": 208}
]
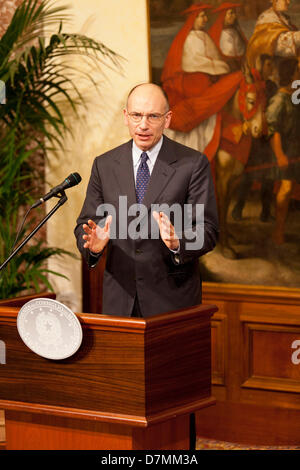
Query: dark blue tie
[{"x": 142, "y": 178}]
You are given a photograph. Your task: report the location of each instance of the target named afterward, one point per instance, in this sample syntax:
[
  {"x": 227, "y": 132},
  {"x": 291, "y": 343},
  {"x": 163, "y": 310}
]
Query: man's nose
[{"x": 144, "y": 121}]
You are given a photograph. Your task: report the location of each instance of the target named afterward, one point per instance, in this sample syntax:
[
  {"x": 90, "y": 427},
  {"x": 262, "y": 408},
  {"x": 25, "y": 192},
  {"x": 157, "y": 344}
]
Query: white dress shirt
[
  {"x": 136, "y": 158},
  {"x": 152, "y": 156}
]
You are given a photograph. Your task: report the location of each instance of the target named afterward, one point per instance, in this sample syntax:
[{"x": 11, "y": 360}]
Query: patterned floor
[{"x": 210, "y": 444}]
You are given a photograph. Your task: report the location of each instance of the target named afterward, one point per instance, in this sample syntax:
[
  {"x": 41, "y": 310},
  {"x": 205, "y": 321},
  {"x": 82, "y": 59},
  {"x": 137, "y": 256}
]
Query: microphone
[{"x": 72, "y": 180}]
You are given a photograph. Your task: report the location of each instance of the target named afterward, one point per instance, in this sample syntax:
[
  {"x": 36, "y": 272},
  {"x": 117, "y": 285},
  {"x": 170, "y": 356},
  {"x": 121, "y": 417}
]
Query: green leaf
[{"x": 39, "y": 82}]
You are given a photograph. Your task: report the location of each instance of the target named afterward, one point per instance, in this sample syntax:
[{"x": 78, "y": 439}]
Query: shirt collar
[{"x": 152, "y": 153}]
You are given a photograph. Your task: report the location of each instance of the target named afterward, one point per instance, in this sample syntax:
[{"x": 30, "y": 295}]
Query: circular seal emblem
[{"x": 49, "y": 328}]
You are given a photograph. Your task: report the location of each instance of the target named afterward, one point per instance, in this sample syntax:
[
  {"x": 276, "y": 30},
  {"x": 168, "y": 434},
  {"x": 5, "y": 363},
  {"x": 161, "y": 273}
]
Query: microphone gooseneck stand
[{"x": 62, "y": 199}]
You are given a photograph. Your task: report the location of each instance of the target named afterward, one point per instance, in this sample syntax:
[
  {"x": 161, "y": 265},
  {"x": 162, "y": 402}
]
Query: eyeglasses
[{"x": 153, "y": 118}]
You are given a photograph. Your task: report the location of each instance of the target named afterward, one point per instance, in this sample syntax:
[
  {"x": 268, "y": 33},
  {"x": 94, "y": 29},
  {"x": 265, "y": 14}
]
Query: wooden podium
[{"x": 132, "y": 384}]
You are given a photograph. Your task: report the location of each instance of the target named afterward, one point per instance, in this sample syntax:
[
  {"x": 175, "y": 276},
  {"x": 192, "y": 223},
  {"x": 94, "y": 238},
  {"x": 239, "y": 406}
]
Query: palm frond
[
  {"x": 30, "y": 20},
  {"x": 39, "y": 79}
]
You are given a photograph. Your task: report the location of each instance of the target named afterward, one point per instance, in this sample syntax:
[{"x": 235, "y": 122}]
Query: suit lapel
[
  {"x": 161, "y": 173},
  {"x": 160, "y": 176},
  {"x": 124, "y": 173}
]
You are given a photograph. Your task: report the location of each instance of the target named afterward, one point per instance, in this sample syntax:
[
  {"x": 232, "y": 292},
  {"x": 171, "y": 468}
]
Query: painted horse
[
  {"x": 243, "y": 118},
  {"x": 237, "y": 103}
]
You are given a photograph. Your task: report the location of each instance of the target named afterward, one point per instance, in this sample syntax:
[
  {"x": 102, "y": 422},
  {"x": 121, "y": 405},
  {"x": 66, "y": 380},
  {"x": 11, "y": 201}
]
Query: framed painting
[{"x": 230, "y": 71}]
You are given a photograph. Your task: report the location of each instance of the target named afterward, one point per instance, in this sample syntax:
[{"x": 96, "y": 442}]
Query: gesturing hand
[
  {"x": 167, "y": 231},
  {"x": 96, "y": 238}
]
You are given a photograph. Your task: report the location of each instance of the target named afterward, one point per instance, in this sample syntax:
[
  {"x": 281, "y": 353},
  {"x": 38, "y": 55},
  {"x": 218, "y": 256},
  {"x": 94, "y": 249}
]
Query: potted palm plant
[{"x": 35, "y": 75}]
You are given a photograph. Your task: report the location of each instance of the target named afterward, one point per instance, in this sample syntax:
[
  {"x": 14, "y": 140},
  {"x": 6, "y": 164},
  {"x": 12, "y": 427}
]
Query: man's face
[
  {"x": 147, "y": 100},
  {"x": 281, "y": 5},
  {"x": 200, "y": 21},
  {"x": 230, "y": 17}
]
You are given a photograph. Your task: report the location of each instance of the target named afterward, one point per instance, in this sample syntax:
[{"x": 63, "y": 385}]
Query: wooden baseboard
[{"x": 2, "y": 427}]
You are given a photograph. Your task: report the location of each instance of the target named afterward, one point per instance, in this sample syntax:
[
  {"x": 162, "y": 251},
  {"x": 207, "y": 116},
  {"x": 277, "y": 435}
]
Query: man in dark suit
[{"x": 148, "y": 272}]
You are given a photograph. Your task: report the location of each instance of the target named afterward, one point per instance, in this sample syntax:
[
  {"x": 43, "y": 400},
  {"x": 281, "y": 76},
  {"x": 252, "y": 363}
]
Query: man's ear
[
  {"x": 168, "y": 119},
  {"x": 125, "y": 117}
]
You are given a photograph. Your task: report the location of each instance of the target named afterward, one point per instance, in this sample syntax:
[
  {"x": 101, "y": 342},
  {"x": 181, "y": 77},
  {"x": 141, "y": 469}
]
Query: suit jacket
[{"x": 146, "y": 267}]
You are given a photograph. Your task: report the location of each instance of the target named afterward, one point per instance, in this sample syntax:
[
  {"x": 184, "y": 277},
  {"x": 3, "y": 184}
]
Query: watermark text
[
  {"x": 133, "y": 222},
  {"x": 2, "y": 352},
  {"x": 296, "y": 94},
  {"x": 2, "y": 92},
  {"x": 296, "y": 354}
]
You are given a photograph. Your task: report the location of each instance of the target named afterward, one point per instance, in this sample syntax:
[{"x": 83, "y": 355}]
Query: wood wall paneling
[
  {"x": 268, "y": 357},
  {"x": 253, "y": 379},
  {"x": 252, "y": 337},
  {"x": 219, "y": 349}
]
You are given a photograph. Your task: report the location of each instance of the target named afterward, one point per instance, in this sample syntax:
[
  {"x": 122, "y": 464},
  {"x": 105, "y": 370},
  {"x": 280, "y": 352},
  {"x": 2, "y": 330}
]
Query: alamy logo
[
  {"x": 296, "y": 354},
  {"x": 2, "y": 352},
  {"x": 296, "y": 94},
  {"x": 133, "y": 221},
  {"x": 2, "y": 92}
]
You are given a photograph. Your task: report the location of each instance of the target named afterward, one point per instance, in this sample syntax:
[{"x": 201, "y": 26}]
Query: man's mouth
[{"x": 144, "y": 136}]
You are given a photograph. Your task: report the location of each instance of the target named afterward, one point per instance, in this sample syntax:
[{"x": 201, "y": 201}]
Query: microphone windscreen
[{"x": 73, "y": 179}]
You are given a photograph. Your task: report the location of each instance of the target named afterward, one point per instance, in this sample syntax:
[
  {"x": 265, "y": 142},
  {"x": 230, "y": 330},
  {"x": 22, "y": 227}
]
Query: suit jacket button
[{"x": 138, "y": 251}]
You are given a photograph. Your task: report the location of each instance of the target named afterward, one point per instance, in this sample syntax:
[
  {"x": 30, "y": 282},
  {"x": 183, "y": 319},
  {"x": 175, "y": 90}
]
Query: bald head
[
  {"x": 147, "y": 115},
  {"x": 149, "y": 89}
]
